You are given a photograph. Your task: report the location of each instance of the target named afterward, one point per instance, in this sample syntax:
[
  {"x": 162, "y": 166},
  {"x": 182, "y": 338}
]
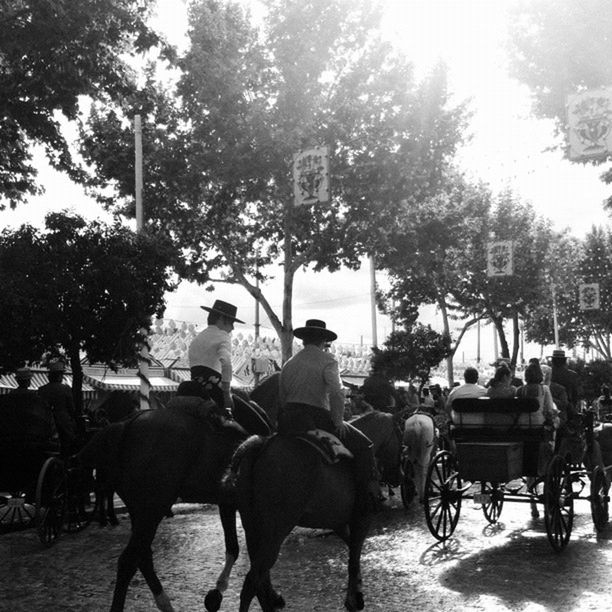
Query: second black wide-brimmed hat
[
  {"x": 317, "y": 328},
  {"x": 223, "y": 308}
]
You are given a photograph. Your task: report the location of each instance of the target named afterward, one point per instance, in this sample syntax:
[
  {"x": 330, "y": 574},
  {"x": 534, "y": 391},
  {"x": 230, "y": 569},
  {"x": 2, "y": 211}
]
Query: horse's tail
[{"x": 237, "y": 481}]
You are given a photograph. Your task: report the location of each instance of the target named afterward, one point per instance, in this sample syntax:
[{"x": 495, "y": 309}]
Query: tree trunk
[
  {"x": 516, "y": 338},
  {"x": 77, "y": 382},
  {"x": 450, "y": 375},
  {"x": 498, "y": 322}
]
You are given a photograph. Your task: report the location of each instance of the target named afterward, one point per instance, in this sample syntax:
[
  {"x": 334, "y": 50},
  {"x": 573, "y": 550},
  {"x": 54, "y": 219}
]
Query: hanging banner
[
  {"x": 499, "y": 258},
  {"x": 589, "y": 296},
  {"x": 311, "y": 176},
  {"x": 589, "y": 118}
]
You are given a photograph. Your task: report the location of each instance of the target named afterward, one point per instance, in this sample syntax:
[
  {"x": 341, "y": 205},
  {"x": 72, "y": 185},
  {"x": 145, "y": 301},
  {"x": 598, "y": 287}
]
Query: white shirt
[
  {"x": 212, "y": 348},
  {"x": 466, "y": 390}
]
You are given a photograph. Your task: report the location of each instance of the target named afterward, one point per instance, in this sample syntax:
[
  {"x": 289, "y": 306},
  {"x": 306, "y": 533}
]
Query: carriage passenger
[
  {"x": 311, "y": 397},
  {"x": 59, "y": 397},
  {"x": 210, "y": 357},
  {"x": 547, "y": 412},
  {"x": 501, "y": 383}
]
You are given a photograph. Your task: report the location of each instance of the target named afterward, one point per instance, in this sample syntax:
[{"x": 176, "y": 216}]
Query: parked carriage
[
  {"x": 37, "y": 486},
  {"x": 498, "y": 454}
]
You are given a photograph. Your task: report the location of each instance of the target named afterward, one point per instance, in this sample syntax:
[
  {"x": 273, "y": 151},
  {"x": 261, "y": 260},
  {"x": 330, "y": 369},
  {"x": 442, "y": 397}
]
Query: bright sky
[{"x": 508, "y": 149}]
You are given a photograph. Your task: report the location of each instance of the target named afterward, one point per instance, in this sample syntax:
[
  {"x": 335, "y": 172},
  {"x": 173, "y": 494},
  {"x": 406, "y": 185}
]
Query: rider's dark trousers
[
  {"x": 211, "y": 382},
  {"x": 298, "y": 418}
]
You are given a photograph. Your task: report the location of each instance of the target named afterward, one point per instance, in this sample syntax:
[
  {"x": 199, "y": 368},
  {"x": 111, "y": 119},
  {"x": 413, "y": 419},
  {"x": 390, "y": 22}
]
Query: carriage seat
[{"x": 496, "y": 419}]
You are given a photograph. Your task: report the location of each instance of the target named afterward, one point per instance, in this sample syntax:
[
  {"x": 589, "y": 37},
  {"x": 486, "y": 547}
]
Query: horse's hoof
[
  {"x": 357, "y": 603},
  {"x": 213, "y": 599},
  {"x": 279, "y": 601}
]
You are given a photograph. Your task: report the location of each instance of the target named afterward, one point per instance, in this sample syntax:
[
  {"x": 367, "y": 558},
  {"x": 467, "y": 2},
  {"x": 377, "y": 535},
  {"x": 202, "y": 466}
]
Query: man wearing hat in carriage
[
  {"x": 562, "y": 375},
  {"x": 59, "y": 397},
  {"x": 311, "y": 397},
  {"x": 210, "y": 356}
]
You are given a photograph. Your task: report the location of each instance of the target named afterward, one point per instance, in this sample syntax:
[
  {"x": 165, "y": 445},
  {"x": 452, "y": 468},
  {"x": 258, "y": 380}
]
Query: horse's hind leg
[
  {"x": 264, "y": 546},
  {"x": 137, "y": 554},
  {"x": 214, "y": 597},
  {"x": 354, "y": 594}
]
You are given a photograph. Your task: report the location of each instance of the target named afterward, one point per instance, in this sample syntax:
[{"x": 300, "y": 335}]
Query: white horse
[{"x": 420, "y": 442}]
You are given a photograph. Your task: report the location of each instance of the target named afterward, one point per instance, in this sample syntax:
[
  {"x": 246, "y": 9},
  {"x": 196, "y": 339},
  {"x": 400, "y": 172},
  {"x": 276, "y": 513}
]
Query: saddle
[{"x": 326, "y": 444}]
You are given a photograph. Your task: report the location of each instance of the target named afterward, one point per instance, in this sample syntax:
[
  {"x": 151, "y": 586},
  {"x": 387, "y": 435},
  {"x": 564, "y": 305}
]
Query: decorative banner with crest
[
  {"x": 589, "y": 296},
  {"x": 589, "y": 116},
  {"x": 499, "y": 258},
  {"x": 311, "y": 176}
]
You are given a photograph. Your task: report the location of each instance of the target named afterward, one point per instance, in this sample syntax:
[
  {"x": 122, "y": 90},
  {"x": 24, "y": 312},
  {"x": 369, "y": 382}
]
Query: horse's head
[
  {"x": 385, "y": 432},
  {"x": 266, "y": 394}
]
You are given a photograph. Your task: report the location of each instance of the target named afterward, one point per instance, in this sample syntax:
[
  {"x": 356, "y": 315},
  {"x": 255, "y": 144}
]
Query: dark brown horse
[
  {"x": 283, "y": 483},
  {"x": 155, "y": 458}
]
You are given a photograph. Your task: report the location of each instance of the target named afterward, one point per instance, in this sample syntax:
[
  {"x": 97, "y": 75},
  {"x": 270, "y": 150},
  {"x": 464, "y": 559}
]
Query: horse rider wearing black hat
[
  {"x": 311, "y": 397},
  {"x": 210, "y": 356},
  {"x": 562, "y": 375}
]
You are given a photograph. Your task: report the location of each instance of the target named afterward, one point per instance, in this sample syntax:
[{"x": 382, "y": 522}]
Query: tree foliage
[
  {"x": 80, "y": 288},
  {"x": 411, "y": 353},
  {"x": 52, "y": 52},
  {"x": 219, "y": 145}
]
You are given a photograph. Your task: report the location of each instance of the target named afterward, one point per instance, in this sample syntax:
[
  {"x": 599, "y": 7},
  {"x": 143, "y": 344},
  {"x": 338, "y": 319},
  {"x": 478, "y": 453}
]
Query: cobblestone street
[{"x": 505, "y": 567}]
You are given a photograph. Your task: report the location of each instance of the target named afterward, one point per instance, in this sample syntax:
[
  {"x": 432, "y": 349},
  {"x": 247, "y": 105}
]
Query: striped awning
[
  {"x": 119, "y": 382},
  {"x": 40, "y": 378}
]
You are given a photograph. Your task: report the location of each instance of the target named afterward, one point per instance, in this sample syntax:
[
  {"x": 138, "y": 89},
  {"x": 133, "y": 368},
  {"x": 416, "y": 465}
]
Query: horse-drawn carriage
[
  {"x": 501, "y": 452},
  {"x": 37, "y": 485}
]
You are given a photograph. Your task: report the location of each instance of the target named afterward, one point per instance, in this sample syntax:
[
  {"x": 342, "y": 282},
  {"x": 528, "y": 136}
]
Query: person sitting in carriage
[
  {"x": 210, "y": 356},
  {"x": 311, "y": 397},
  {"x": 59, "y": 397}
]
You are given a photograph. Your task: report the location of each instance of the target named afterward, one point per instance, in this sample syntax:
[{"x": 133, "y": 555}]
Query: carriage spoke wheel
[
  {"x": 79, "y": 510},
  {"x": 558, "y": 503},
  {"x": 442, "y": 498},
  {"x": 599, "y": 498},
  {"x": 50, "y": 501},
  {"x": 494, "y": 503}
]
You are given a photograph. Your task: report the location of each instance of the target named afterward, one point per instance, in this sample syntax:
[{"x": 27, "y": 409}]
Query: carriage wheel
[
  {"x": 492, "y": 500},
  {"x": 50, "y": 500},
  {"x": 599, "y": 498},
  {"x": 407, "y": 486},
  {"x": 558, "y": 503},
  {"x": 442, "y": 499},
  {"x": 79, "y": 510}
]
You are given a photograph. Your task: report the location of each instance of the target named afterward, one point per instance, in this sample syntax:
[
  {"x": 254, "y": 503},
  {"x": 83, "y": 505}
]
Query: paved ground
[{"x": 509, "y": 566}]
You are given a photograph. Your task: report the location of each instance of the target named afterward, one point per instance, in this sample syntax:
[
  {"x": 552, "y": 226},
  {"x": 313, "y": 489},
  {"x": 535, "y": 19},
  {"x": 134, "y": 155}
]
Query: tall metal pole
[
  {"x": 478, "y": 342},
  {"x": 555, "y": 320},
  {"x": 143, "y": 353},
  {"x": 373, "y": 299}
]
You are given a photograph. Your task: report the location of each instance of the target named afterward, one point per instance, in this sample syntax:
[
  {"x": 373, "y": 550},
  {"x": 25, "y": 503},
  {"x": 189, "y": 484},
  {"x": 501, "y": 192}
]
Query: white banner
[
  {"x": 589, "y": 118},
  {"x": 499, "y": 258},
  {"x": 311, "y": 176},
  {"x": 589, "y": 296}
]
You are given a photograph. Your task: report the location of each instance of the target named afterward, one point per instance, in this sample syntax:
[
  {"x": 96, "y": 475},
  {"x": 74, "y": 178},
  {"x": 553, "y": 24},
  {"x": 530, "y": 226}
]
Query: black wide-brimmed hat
[
  {"x": 315, "y": 328},
  {"x": 558, "y": 354},
  {"x": 224, "y": 308}
]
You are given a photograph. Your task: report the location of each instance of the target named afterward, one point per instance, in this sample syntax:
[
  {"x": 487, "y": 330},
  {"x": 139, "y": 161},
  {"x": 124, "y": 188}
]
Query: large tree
[
  {"x": 219, "y": 146},
  {"x": 575, "y": 262},
  {"x": 52, "y": 52},
  {"x": 423, "y": 261},
  {"x": 79, "y": 288}
]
